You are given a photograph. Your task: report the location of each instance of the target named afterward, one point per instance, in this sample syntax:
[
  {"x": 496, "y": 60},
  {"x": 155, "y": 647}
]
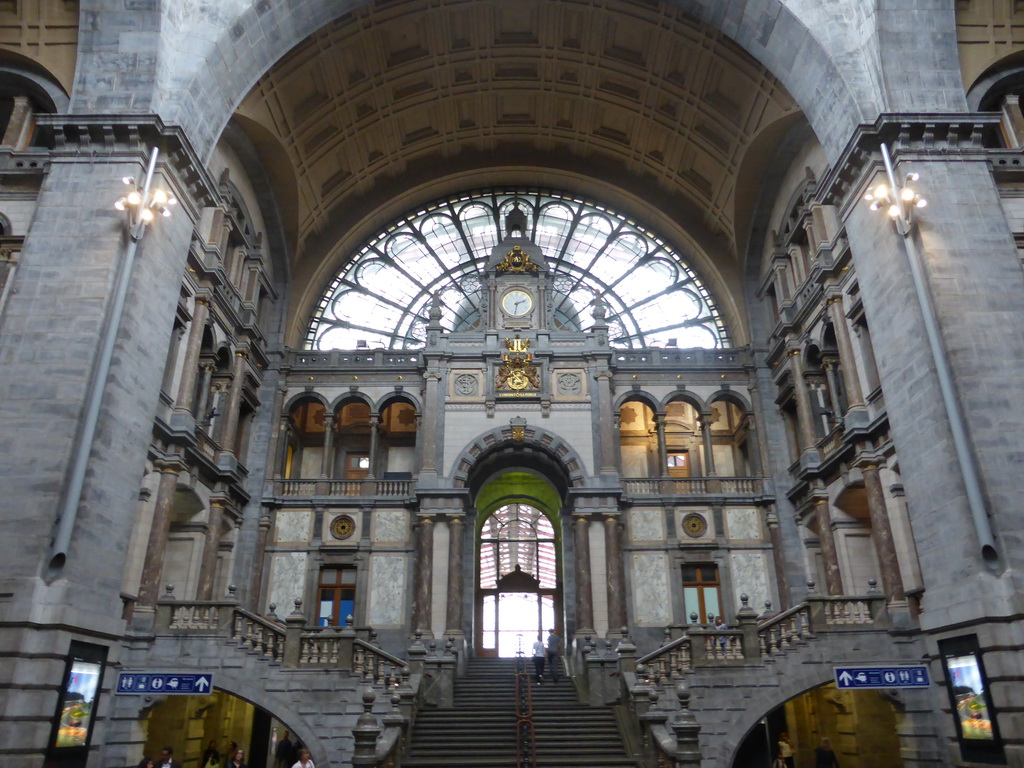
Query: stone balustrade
[
  {"x": 344, "y": 488},
  {"x": 691, "y": 486}
]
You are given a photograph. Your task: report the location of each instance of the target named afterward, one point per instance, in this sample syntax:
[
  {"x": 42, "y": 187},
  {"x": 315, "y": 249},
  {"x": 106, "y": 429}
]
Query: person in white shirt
[
  {"x": 538, "y": 659},
  {"x": 304, "y": 760}
]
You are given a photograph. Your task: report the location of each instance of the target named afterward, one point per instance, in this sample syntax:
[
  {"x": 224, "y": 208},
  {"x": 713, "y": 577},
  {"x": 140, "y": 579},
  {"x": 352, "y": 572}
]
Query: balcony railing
[
  {"x": 689, "y": 486},
  {"x": 344, "y": 488}
]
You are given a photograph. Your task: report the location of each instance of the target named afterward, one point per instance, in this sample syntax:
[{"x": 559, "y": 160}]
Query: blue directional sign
[
  {"x": 164, "y": 683},
  {"x": 910, "y": 676}
]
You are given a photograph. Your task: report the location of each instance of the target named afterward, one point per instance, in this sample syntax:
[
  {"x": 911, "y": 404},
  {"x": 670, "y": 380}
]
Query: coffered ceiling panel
[{"x": 633, "y": 84}]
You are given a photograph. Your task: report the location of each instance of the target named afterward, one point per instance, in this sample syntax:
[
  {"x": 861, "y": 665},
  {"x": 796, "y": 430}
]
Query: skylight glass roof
[{"x": 381, "y": 298}]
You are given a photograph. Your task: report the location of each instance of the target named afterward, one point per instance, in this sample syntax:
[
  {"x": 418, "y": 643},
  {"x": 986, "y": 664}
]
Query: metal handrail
[{"x": 526, "y": 736}]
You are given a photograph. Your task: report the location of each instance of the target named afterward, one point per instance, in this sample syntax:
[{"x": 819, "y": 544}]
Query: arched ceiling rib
[{"x": 635, "y": 85}]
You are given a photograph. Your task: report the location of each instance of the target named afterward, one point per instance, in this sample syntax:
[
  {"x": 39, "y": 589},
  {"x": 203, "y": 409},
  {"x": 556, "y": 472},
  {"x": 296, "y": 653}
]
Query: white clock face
[{"x": 517, "y": 303}]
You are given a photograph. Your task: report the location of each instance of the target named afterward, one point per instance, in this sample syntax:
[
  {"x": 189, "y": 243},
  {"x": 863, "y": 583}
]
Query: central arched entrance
[{"x": 518, "y": 585}]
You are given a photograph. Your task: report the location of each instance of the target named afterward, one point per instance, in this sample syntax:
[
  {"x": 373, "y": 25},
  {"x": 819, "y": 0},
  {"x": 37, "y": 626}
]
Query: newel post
[{"x": 294, "y": 626}]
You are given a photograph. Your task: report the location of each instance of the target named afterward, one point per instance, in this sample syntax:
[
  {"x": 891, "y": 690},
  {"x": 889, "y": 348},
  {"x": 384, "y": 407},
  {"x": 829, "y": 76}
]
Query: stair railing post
[
  {"x": 687, "y": 732},
  {"x": 365, "y": 734},
  {"x": 746, "y": 618},
  {"x": 295, "y": 625},
  {"x": 346, "y": 645}
]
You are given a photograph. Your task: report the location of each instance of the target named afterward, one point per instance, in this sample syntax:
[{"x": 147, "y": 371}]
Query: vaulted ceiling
[{"x": 630, "y": 92}]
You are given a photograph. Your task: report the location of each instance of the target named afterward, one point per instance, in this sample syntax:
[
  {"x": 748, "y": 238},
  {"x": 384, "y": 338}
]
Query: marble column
[
  {"x": 202, "y": 405},
  {"x": 616, "y": 575},
  {"x": 327, "y": 460},
  {"x": 208, "y": 565},
  {"x": 881, "y": 533},
  {"x": 374, "y": 436},
  {"x": 160, "y": 526},
  {"x": 827, "y": 542},
  {"x": 229, "y": 428},
  {"x": 185, "y": 399},
  {"x": 707, "y": 419},
  {"x": 778, "y": 560},
  {"x": 19, "y": 126},
  {"x": 847, "y": 362},
  {"x": 804, "y": 415},
  {"x": 427, "y": 434},
  {"x": 607, "y": 423},
  {"x": 584, "y": 588},
  {"x": 456, "y": 583},
  {"x": 753, "y": 446},
  {"x": 258, "y": 557},
  {"x": 421, "y": 601},
  {"x": 659, "y": 427},
  {"x": 835, "y": 404}
]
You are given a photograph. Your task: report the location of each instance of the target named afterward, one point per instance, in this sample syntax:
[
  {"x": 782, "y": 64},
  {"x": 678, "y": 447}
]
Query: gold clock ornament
[
  {"x": 695, "y": 526},
  {"x": 342, "y": 527}
]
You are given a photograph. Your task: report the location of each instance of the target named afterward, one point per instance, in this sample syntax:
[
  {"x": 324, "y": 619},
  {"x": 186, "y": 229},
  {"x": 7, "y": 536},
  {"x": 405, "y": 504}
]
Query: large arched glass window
[{"x": 381, "y": 297}]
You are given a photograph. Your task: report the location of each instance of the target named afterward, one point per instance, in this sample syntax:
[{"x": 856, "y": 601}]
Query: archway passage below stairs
[{"x": 518, "y": 588}]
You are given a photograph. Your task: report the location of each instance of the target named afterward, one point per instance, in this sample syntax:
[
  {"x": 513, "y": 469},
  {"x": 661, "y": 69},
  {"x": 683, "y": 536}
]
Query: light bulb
[
  {"x": 120, "y": 204},
  {"x": 146, "y": 214},
  {"x": 165, "y": 213},
  {"x": 128, "y": 180},
  {"x": 894, "y": 211},
  {"x": 869, "y": 197},
  {"x": 907, "y": 194},
  {"x": 874, "y": 206},
  {"x": 881, "y": 191},
  {"x": 159, "y": 196},
  {"x": 913, "y": 176},
  {"x": 134, "y": 197},
  {"x": 921, "y": 202},
  {"x": 172, "y": 200}
]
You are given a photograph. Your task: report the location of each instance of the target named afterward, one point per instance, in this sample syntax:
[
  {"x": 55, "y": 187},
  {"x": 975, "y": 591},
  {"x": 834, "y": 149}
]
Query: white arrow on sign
[
  {"x": 845, "y": 677},
  {"x": 202, "y": 684}
]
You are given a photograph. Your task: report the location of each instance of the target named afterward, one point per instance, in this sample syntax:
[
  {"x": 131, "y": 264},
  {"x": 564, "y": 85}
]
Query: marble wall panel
[
  {"x": 287, "y": 581},
  {"x": 390, "y": 526},
  {"x": 743, "y": 523},
  {"x": 647, "y": 525},
  {"x": 387, "y": 591},
  {"x": 293, "y": 525},
  {"x": 652, "y": 599},
  {"x": 749, "y": 577}
]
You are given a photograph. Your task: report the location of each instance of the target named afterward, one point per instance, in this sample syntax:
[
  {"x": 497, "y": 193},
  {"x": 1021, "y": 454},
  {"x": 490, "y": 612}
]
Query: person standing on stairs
[
  {"x": 553, "y": 646},
  {"x": 538, "y": 659}
]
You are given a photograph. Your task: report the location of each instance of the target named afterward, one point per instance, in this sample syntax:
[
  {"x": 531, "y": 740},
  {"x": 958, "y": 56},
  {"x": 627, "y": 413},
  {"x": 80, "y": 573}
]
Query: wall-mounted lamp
[
  {"x": 897, "y": 200},
  {"x": 141, "y": 204}
]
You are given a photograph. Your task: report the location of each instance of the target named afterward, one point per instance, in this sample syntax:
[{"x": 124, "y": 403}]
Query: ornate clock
[
  {"x": 694, "y": 525},
  {"x": 342, "y": 527},
  {"x": 517, "y": 303}
]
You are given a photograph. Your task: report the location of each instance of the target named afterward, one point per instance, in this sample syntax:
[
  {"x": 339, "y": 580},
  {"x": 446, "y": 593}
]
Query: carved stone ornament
[
  {"x": 570, "y": 384},
  {"x": 466, "y": 385},
  {"x": 516, "y": 262}
]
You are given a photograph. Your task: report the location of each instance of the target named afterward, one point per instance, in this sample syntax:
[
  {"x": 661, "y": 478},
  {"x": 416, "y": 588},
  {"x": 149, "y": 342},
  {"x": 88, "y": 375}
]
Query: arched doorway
[
  {"x": 517, "y": 595},
  {"x": 518, "y": 589}
]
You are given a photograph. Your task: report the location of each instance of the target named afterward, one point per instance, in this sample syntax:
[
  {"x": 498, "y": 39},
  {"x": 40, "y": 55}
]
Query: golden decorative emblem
[
  {"x": 518, "y": 371},
  {"x": 518, "y": 433},
  {"x": 516, "y": 261}
]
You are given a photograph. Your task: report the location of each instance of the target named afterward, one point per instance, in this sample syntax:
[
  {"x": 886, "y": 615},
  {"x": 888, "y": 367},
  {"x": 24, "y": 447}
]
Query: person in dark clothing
[
  {"x": 210, "y": 756},
  {"x": 284, "y": 755},
  {"x": 553, "y": 644},
  {"x": 824, "y": 757}
]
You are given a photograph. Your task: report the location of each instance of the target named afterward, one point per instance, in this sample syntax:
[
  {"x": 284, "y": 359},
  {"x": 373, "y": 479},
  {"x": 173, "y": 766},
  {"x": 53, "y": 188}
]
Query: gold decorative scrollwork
[{"x": 516, "y": 262}]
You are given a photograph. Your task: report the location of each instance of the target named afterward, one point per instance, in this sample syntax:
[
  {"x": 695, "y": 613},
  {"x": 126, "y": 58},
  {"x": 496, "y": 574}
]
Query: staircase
[{"x": 479, "y": 731}]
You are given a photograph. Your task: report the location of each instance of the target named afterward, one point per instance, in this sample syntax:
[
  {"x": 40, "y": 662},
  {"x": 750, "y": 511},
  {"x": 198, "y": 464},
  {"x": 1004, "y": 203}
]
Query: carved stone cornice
[
  {"x": 95, "y": 137},
  {"x": 921, "y": 136}
]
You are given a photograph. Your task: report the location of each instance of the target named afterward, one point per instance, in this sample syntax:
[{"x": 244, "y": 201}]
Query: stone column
[
  {"x": 258, "y": 556},
  {"x": 427, "y": 434},
  {"x": 659, "y": 428},
  {"x": 804, "y": 414},
  {"x": 881, "y": 533},
  {"x": 421, "y": 600},
  {"x": 831, "y": 364},
  {"x": 202, "y": 405},
  {"x": 706, "y": 421},
  {"x": 616, "y": 576},
  {"x": 854, "y": 395},
  {"x": 327, "y": 460},
  {"x": 185, "y": 399},
  {"x": 609, "y": 448},
  {"x": 208, "y": 566},
  {"x": 778, "y": 559},
  {"x": 160, "y": 526},
  {"x": 584, "y": 589},
  {"x": 19, "y": 126},
  {"x": 230, "y": 423},
  {"x": 827, "y": 541},
  {"x": 753, "y": 445},
  {"x": 456, "y": 584},
  {"x": 374, "y": 434}
]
